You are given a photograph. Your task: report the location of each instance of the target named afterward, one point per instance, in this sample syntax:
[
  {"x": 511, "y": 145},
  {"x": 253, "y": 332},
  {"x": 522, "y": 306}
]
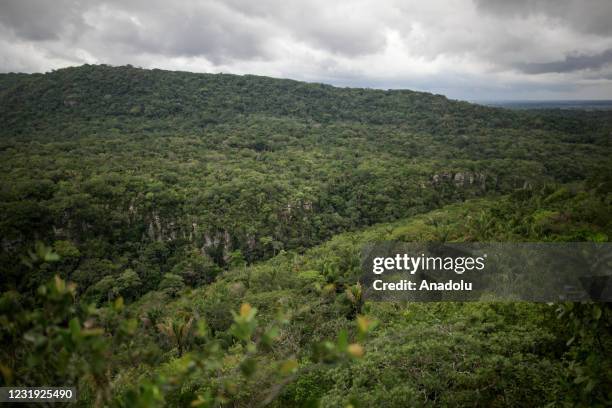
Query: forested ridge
[
  {"x": 93, "y": 92},
  {"x": 211, "y": 224}
]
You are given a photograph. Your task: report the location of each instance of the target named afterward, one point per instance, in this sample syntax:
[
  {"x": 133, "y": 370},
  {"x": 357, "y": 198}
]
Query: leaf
[
  {"x": 245, "y": 309},
  {"x": 590, "y": 385},
  {"x": 202, "y": 328},
  {"x": 75, "y": 328},
  {"x": 118, "y": 306},
  {"x": 356, "y": 350},
  {"x": 247, "y": 312},
  {"x": 365, "y": 324},
  {"x": 197, "y": 402},
  {"x": 129, "y": 326},
  {"x": 35, "y": 338},
  {"x": 349, "y": 295},
  {"x": 270, "y": 335},
  {"x": 329, "y": 288},
  {"x": 7, "y": 374},
  {"x": 51, "y": 257},
  {"x": 596, "y": 312},
  {"x": 60, "y": 284}
]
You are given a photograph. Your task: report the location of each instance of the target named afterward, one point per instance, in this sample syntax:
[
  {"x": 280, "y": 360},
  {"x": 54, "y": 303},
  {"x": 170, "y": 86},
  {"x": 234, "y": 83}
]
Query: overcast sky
[{"x": 465, "y": 49}]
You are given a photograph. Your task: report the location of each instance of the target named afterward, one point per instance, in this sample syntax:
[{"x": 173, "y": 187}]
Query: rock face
[
  {"x": 220, "y": 240},
  {"x": 298, "y": 207},
  {"x": 463, "y": 179}
]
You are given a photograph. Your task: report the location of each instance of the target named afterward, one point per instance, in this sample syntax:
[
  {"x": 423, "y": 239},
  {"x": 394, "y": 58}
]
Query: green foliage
[
  {"x": 213, "y": 226},
  {"x": 590, "y": 368},
  {"x": 178, "y": 330},
  {"x": 50, "y": 339},
  {"x": 196, "y": 269},
  {"x": 168, "y": 172},
  {"x": 171, "y": 284}
]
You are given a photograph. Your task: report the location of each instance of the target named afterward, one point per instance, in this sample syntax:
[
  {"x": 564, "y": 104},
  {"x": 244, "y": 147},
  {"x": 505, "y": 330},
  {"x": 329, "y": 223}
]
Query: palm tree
[
  {"x": 355, "y": 295},
  {"x": 178, "y": 330}
]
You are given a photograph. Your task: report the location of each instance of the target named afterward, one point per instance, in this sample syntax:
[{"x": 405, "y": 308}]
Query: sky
[{"x": 464, "y": 49}]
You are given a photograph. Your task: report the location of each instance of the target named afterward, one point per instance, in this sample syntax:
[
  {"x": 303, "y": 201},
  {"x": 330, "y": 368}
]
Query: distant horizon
[
  {"x": 544, "y": 101},
  {"x": 562, "y": 104}
]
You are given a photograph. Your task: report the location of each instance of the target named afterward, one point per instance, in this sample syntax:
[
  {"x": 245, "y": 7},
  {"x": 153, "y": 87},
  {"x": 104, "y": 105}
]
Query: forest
[{"x": 181, "y": 239}]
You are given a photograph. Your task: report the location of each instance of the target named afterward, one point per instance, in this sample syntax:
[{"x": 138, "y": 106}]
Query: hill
[
  {"x": 285, "y": 165},
  {"x": 210, "y": 225},
  {"x": 93, "y": 92},
  {"x": 294, "y": 341}
]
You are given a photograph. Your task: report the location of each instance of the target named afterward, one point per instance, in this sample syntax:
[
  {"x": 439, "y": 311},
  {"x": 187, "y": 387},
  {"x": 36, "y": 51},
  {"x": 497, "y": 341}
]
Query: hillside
[
  {"x": 488, "y": 353},
  {"x": 186, "y": 237},
  {"x": 297, "y": 342},
  {"x": 100, "y": 91},
  {"x": 139, "y": 190},
  {"x": 92, "y": 93}
]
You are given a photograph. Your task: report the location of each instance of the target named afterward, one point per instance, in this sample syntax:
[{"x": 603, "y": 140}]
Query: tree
[
  {"x": 177, "y": 330},
  {"x": 171, "y": 284},
  {"x": 128, "y": 284},
  {"x": 102, "y": 290},
  {"x": 236, "y": 259},
  {"x": 197, "y": 269}
]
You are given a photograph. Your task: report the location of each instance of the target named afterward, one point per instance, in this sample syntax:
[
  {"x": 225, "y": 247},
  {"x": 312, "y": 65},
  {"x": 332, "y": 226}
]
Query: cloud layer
[{"x": 467, "y": 49}]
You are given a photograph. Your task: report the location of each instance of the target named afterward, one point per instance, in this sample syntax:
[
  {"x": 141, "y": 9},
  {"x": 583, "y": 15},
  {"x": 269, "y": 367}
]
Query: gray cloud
[
  {"x": 571, "y": 63},
  {"x": 39, "y": 21},
  {"x": 217, "y": 30},
  {"x": 589, "y": 16},
  {"x": 188, "y": 28},
  {"x": 205, "y": 29},
  {"x": 546, "y": 47},
  {"x": 345, "y": 28}
]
